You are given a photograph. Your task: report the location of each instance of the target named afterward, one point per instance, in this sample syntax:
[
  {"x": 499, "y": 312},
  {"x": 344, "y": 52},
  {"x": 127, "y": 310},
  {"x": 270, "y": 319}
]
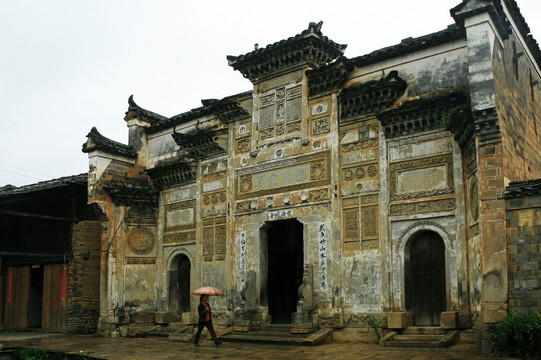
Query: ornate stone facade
[{"x": 360, "y": 176}]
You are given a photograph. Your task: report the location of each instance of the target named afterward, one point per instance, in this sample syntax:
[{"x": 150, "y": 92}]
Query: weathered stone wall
[
  {"x": 524, "y": 253},
  {"x": 84, "y": 278},
  {"x": 518, "y": 103}
]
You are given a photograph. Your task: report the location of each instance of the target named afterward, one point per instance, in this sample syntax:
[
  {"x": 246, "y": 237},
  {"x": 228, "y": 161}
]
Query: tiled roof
[
  {"x": 524, "y": 29},
  {"x": 135, "y": 110},
  {"x": 97, "y": 141},
  {"x": 409, "y": 45},
  {"x": 310, "y": 47},
  {"x": 10, "y": 190},
  {"x": 226, "y": 109},
  {"x": 523, "y": 188}
]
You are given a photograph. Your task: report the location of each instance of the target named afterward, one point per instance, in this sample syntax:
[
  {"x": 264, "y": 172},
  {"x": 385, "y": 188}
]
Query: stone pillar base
[
  {"x": 165, "y": 317},
  {"x": 449, "y": 319},
  {"x": 399, "y": 320}
]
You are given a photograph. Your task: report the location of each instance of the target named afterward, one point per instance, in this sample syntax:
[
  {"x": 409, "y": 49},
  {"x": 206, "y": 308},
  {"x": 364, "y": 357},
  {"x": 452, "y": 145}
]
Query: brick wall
[
  {"x": 518, "y": 112},
  {"x": 524, "y": 252},
  {"x": 84, "y": 278}
]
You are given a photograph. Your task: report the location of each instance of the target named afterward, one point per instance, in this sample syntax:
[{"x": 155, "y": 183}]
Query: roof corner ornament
[
  {"x": 315, "y": 27},
  {"x": 131, "y": 103}
]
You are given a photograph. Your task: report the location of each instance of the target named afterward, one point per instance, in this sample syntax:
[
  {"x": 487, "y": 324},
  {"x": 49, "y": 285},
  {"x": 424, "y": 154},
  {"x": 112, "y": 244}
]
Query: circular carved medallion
[{"x": 140, "y": 241}]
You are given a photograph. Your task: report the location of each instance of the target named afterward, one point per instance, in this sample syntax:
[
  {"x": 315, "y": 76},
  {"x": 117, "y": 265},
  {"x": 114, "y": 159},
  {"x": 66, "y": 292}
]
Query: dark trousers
[{"x": 209, "y": 326}]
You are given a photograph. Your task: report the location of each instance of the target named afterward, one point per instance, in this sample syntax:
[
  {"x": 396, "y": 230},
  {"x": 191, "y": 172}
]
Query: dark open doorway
[
  {"x": 425, "y": 278},
  {"x": 35, "y": 300},
  {"x": 179, "y": 285},
  {"x": 285, "y": 268}
]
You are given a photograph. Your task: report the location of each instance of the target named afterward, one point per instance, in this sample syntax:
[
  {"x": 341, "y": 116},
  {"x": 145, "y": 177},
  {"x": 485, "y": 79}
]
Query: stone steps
[
  {"x": 424, "y": 337},
  {"x": 279, "y": 337}
]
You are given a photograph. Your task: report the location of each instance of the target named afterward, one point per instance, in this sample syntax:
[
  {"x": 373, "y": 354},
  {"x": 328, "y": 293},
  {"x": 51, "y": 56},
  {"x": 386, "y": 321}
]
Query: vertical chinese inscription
[
  {"x": 322, "y": 239},
  {"x": 242, "y": 259}
]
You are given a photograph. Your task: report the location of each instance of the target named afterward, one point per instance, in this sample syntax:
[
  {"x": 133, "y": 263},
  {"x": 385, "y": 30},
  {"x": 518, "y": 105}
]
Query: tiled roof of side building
[
  {"x": 523, "y": 188},
  {"x": 10, "y": 190}
]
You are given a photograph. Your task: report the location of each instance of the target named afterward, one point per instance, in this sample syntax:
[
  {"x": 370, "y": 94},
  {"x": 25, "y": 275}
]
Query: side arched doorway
[
  {"x": 425, "y": 278},
  {"x": 285, "y": 268},
  {"x": 179, "y": 284}
]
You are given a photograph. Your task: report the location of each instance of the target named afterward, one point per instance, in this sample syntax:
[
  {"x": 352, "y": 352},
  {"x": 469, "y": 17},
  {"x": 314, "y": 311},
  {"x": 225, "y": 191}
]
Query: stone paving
[{"x": 163, "y": 349}]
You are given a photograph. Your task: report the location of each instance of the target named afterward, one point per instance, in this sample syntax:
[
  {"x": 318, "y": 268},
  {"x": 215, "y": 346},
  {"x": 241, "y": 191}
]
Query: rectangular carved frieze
[
  {"x": 422, "y": 207},
  {"x": 369, "y": 222},
  {"x": 349, "y": 202},
  {"x": 321, "y": 126},
  {"x": 294, "y": 109},
  {"x": 179, "y": 215},
  {"x": 359, "y": 145},
  {"x": 213, "y": 199},
  {"x": 294, "y": 126},
  {"x": 214, "y": 176},
  {"x": 208, "y": 241},
  {"x": 318, "y": 195},
  {"x": 182, "y": 237},
  {"x": 421, "y": 177},
  {"x": 369, "y": 199},
  {"x": 351, "y": 224},
  {"x": 214, "y": 238},
  {"x": 284, "y": 175},
  {"x": 360, "y": 172},
  {"x": 266, "y": 133},
  {"x": 141, "y": 260},
  {"x": 266, "y": 117}
]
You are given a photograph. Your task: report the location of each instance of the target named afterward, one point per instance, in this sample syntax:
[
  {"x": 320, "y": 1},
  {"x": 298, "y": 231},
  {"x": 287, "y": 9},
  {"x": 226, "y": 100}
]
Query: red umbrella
[{"x": 208, "y": 290}]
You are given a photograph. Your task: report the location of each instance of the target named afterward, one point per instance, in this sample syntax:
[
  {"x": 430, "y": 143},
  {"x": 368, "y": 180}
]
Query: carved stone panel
[
  {"x": 284, "y": 175},
  {"x": 369, "y": 222},
  {"x": 422, "y": 177},
  {"x": 294, "y": 109},
  {"x": 141, "y": 261},
  {"x": 141, "y": 241},
  {"x": 422, "y": 207},
  {"x": 242, "y": 145},
  {"x": 351, "y": 224},
  {"x": 280, "y": 112},
  {"x": 214, "y": 238},
  {"x": 179, "y": 215},
  {"x": 321, "y": 126},
  {"x": 177, "y": 238}
]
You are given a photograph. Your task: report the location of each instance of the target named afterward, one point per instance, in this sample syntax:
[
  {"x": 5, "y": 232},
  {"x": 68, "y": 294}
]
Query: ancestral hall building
[{"x": 335, "y": 189}]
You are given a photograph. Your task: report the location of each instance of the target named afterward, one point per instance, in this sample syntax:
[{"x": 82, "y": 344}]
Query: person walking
[{"x": 205, "y": 320}]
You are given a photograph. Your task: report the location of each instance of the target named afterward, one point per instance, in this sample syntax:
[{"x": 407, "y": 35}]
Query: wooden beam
[{"x": 40, "y": 216}]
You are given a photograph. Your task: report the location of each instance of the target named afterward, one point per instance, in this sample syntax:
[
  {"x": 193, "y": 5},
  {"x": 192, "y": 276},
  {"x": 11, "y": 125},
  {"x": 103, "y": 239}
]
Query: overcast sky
[{"x": 66, "y": 66}]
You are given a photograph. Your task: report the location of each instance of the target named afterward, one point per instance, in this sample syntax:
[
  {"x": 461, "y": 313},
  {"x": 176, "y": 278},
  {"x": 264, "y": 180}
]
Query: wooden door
[
  {"x": 425, "y": 290},
  {"x": 16, "y": 296},
  {"x": 54, "y": 314}
]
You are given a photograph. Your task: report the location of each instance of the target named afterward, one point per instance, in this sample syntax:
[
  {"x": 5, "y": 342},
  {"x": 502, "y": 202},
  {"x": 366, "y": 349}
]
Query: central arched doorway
[
  {"x": 285, "y": 268},
  {"x": 425, "y": 278},
  {"x": 179, "y": 284}
]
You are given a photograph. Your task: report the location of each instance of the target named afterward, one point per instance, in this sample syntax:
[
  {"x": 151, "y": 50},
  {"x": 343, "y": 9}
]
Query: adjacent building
[
  {"x": 49, "y": 253},
  {"x": 335, "y": 189}
]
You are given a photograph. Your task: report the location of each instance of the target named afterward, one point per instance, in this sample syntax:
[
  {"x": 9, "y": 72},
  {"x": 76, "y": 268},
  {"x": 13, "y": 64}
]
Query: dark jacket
[{"x": 203, "y": 312}]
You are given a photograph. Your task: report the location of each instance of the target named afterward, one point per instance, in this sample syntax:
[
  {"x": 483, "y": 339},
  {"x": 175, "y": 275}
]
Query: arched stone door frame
[
  {"x": 401, "y": 250},
  {"x": 172, "y": 276}
]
